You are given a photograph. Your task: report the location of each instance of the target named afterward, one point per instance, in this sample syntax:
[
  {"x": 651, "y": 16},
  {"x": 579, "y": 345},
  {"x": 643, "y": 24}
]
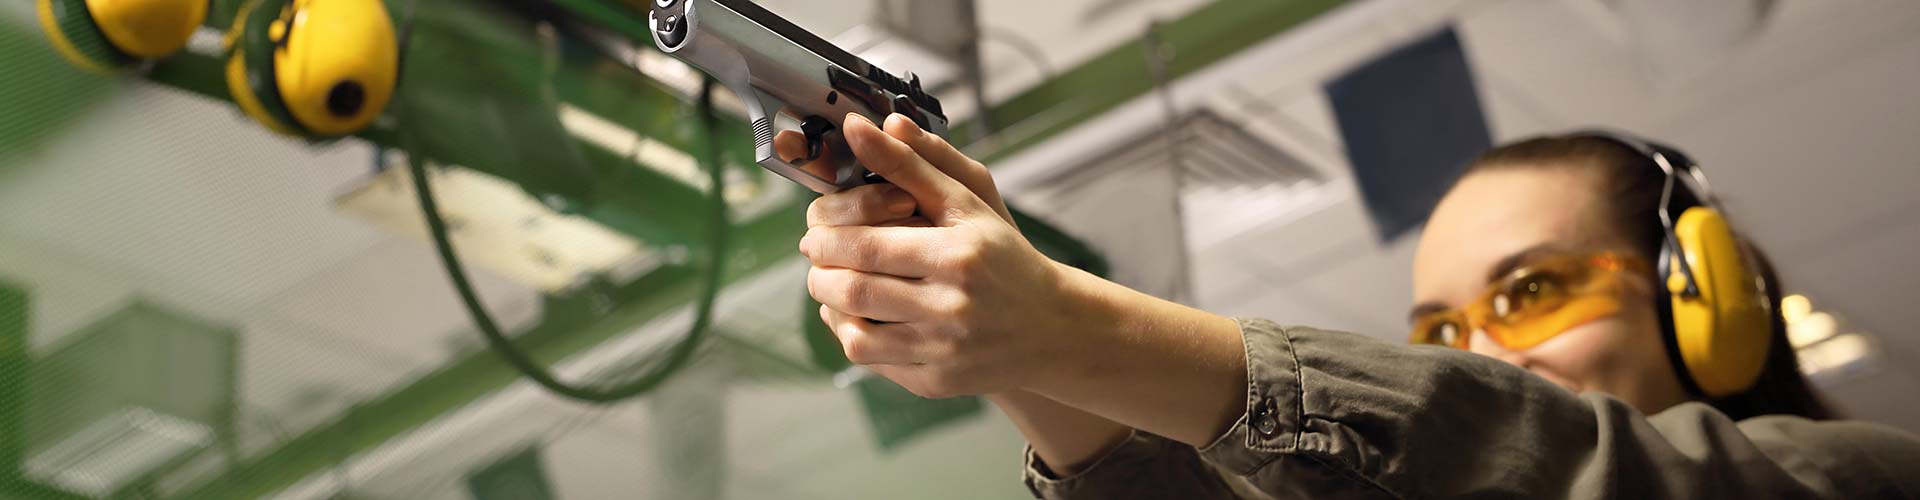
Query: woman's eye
[
  {"x": 1527, "y": 291},
  {"x": 1447, "y": 333},
  {"x": 1439, "y": 332}
]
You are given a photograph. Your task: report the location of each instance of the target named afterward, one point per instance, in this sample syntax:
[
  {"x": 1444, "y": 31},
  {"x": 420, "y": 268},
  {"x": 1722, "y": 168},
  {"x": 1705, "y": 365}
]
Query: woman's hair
[{"x": 1633, "y": 184}]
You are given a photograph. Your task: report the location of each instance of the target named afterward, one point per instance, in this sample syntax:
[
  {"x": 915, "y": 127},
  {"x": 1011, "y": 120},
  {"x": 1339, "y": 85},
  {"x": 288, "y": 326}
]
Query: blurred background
[{"x": 192, "y": 306}]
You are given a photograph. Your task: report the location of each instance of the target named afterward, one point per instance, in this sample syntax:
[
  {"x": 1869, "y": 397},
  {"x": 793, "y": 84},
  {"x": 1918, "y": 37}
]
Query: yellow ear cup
[
  {"x": 148, "y": 28},
  {"x": 76, "y": 37},
  {"x": 250, "y": 103},
  {"x": 250, "y": 77},
  {"x": 1722, "y": 333},
  {"x": 103, "y": 35},
  {"x": 338, "y": 66}
]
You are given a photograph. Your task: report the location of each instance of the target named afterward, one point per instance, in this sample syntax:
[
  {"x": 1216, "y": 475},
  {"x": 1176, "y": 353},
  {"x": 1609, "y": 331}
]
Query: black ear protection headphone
[
  {"x": 1713, "y": 302},
  {"x": 313, "y": 68},
  {"x": 105, "y": 36}
]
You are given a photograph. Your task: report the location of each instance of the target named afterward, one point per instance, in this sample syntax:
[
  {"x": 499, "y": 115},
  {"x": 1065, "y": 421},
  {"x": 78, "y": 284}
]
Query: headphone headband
[
  {"x": 1668, "y": 158},
  {"x": 1679, "y": 169}
]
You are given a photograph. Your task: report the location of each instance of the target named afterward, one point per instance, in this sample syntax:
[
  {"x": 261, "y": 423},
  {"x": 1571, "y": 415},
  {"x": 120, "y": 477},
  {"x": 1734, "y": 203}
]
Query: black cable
[
  {"x": 1023, "y": 46},
  {"x": 523, "y": 362},
  {"x": 1176, "y": 131}
]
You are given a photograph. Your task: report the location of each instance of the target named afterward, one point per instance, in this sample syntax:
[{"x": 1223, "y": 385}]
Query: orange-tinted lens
[
  {"x": 1445, "y": 328},
  {"x": 1540, "y": 327},
  {"x": 1546, "y": 297}
]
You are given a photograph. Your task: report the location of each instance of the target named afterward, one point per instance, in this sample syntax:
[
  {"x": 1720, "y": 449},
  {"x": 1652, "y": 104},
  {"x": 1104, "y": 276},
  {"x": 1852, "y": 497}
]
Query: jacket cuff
[
  {"x": 1117, "y": 467},
  {"x": 1272, "y": 424}
]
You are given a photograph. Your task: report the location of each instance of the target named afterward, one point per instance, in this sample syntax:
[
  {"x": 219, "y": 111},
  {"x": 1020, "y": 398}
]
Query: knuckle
[
  {"x": 963, "y": 263},
  {"x": 817, "y": 211},
  {"x": 872, "y": 196},
  {"x": 956, "y": 208},
  {"x": 863, "y": 252},
  {"x": 978, "y": 168},
  {"x": 959, "y": 307},
  {"x": 817, "y": 238},
  {"x": 857, "y": 349},
  {"x": 962, "y": 255},
  {"x": 854, "y": 293}
]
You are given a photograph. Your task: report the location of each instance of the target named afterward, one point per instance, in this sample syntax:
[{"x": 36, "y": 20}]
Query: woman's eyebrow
[
  {"x": 1515, "y": 260},
  {"x": 1423, "y": 309},
  {"x": 1499, "y": 270}
]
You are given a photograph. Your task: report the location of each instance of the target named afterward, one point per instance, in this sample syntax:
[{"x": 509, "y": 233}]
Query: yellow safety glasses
[{"x": 1536, "y": 301}]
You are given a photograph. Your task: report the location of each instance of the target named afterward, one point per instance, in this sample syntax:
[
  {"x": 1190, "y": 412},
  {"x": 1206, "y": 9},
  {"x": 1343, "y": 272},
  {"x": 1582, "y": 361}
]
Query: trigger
[{"x": 816, "y": 129}]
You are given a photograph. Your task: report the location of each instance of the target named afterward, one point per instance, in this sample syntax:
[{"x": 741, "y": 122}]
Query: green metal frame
[
  {"x": 15, "y": 310},
  {"x": 16, "y": 321}
]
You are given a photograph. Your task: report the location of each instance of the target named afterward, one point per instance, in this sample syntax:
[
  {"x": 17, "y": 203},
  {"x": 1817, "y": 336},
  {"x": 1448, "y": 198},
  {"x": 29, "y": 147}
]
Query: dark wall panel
[{"x": 1410, "y": 119}]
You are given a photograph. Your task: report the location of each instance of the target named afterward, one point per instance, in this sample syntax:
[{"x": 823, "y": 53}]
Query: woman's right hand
[
  {"x": 968, "y": 306},
  {"x": 1066, "y": 438}
]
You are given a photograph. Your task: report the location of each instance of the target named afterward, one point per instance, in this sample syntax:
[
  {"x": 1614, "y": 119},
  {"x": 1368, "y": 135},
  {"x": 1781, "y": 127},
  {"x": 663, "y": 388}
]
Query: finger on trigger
[{"x": 791, "y": 145}]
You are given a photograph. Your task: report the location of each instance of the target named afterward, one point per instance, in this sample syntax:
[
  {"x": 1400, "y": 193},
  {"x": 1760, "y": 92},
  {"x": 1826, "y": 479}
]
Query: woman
[{"x": 1572, "y": 386}]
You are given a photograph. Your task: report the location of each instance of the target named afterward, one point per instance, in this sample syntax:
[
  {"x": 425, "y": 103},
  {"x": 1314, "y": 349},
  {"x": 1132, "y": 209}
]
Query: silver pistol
[{"x": 786, "y": 75}]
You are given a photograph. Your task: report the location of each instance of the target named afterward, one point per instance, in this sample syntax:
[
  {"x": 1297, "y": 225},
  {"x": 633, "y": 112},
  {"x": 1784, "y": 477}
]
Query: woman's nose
[{"x": 1484, "y": 345}]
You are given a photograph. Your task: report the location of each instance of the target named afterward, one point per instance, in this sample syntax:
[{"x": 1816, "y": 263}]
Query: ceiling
[{"x": 1804, "y": 123}]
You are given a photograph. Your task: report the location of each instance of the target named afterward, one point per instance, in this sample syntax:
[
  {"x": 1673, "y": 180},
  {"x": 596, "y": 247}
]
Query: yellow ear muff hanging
[
  {"x": 105, "y": 35},
  {"x": 313, "y": 68},
  {"x": 1722, "y": 331}
]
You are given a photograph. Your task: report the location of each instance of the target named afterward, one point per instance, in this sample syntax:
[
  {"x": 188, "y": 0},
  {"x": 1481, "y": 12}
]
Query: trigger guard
[{"x": 772, "y": 162}]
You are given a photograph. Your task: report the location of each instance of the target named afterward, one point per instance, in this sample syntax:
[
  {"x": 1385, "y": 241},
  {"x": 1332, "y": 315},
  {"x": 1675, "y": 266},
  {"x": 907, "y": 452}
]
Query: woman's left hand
[{"x": 965, "y": 304}]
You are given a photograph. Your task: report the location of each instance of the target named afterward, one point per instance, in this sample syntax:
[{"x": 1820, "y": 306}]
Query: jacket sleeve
[
  {"x": 1143, "y": 466},
  {"x": 1333, "y": 415}
]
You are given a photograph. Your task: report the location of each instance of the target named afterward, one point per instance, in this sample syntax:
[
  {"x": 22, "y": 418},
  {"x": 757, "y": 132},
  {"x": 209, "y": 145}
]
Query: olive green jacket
[{"x": 1334, "y": 415}]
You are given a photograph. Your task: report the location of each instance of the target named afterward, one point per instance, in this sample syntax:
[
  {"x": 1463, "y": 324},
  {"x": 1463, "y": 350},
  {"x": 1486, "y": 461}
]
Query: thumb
[
  {"x": 937, "y": 152},
  {"x": 940, "y": 196}
]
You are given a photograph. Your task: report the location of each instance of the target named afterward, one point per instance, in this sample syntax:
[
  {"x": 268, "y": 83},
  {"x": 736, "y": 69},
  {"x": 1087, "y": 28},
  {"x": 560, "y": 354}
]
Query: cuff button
[{"x": 1264, "y": 422}]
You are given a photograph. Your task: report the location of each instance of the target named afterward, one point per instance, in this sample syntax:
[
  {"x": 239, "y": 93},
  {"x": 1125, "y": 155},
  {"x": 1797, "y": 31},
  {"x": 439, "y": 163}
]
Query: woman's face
[{"x": 1497, "y": 218}]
